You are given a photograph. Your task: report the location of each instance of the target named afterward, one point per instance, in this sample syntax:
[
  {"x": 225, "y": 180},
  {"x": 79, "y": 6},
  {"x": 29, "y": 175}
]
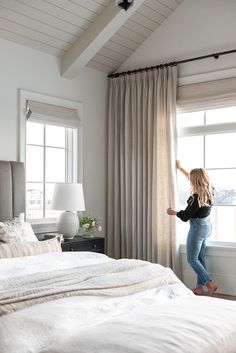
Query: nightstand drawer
[
  {"x": 66, "y": 246},
  {"x": 84, "y": 244},
  {"x": 96, "y": 245}
]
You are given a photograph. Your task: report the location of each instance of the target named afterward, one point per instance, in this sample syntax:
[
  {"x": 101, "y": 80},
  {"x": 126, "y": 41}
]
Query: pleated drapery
[{"x": 141, "y": 166}]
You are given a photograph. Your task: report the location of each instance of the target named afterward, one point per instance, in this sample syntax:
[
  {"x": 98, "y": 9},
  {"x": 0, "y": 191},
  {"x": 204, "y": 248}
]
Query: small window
[
  {"x": 51, "y": 147},
  {"x": 221, "y": 116},
  {"x": 218, "y": 150},
  {"x": 191, "y": 119}
]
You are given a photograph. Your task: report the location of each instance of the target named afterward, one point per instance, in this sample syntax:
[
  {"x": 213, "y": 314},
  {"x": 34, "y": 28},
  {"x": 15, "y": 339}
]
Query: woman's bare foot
[
  {"x": 212, "y": 288},
  {"x": 198, "y": 291}
]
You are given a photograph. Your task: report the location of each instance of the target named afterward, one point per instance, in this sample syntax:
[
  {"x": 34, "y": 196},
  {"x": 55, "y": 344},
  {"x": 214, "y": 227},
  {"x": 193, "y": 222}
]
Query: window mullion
[
  {"x": 71, "y": 155},
  {"x": 74, "y": 134},
  {"x": 206, "y": 129}
]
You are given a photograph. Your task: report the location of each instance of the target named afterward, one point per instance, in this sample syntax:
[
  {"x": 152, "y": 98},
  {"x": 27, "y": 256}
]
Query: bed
[{"x": 82, "y": 302}]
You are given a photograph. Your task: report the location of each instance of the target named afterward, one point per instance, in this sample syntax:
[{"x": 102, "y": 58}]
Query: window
[
  {"x": 51, "y": 147},
  {"x": 208, "y": 139},
  {"x": 49, "y": 150}
]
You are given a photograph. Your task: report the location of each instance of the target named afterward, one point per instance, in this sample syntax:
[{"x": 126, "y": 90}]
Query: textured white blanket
[
  {"x": 189, "y": 325},
  {"x": 113, "y": 278}
]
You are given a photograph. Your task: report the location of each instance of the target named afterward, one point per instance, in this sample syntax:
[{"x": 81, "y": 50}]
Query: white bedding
[
  {"x": 184, "y": 325},
  {"x": 47, "y": 262},
  {"x": 116, "y": 278},
  {"x": 168, "y": 319}
]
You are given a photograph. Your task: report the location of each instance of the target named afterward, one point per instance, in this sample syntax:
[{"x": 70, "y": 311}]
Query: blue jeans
[{"x": 200, "y": 229}]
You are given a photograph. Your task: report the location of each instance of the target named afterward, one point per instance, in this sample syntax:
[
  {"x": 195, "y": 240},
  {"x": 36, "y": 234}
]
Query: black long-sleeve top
[{"x": 194, "y": 210}]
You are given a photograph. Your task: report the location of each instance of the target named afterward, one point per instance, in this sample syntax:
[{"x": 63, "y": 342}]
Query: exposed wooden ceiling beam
[{"x": 107, "y": 24}]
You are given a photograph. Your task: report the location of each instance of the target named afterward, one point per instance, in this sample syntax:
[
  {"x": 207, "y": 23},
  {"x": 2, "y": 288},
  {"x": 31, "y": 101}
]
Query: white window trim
[
  {"x": 206, "y": 129},
  {"x": 23, "y": 97}
]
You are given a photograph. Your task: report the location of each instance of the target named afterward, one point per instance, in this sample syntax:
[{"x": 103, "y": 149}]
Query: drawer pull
[{"x": 94, "y": 246}]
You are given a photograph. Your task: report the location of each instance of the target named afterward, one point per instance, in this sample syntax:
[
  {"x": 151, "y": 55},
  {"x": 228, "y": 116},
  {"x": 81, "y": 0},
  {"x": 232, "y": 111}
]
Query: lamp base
[{"x": 68, "y": 224}]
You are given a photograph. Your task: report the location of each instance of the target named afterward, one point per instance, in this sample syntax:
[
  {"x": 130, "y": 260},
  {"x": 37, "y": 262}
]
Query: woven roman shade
[
  {"x": 51, "y": 114},
  {"x": 206, "y": 95}
]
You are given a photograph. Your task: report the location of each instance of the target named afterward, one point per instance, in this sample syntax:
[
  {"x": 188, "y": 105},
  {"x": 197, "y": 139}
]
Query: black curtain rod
[{"x": 174, "y": 63}]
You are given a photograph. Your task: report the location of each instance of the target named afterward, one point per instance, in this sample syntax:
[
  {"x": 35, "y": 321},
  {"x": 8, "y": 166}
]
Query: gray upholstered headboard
[{"x": 12, "y": 189}]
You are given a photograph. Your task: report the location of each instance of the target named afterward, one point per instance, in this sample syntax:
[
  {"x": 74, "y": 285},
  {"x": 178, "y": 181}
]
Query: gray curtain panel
[{"x": 141, "y": 165}]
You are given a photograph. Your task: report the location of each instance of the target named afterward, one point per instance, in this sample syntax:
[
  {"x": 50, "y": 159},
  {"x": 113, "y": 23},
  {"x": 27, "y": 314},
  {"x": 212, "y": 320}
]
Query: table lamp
[{"x": 69, "y": 198}]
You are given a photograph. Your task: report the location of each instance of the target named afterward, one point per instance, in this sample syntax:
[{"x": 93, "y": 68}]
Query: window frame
[
  {"x": 203, "y": 130},
  {"x": 76, "y": 164},
  {"x": 70, "y": 149}
]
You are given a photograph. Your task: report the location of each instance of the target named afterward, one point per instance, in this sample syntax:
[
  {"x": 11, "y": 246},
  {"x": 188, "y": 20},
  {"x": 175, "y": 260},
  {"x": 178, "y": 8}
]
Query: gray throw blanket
[{"x": 113, "y": 278}]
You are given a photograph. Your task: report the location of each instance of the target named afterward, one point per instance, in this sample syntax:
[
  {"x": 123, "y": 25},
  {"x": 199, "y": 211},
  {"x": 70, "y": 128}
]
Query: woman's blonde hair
[{"x": 201, "y": 185}]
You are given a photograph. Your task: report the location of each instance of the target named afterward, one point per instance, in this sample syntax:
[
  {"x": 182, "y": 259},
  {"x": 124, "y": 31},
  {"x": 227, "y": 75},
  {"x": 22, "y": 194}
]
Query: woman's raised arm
[{"x": 185, "y": 173}]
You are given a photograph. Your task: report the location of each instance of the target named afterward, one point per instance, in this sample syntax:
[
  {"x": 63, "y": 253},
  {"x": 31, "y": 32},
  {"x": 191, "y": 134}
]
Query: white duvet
[{"x": 168, "y": 319}]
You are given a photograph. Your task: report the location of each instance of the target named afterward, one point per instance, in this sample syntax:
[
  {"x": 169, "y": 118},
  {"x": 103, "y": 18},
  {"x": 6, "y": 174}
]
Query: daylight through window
[
  {"x": 50, "y": 155},
  {"x": 208, "y": 139}
]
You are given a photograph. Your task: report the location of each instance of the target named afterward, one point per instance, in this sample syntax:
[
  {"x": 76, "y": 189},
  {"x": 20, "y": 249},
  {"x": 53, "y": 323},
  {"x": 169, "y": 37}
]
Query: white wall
[
  {"x": 196, "y": 28},
  {"x": 31, "y": 70},
  {"x": 220, "y": 261}
]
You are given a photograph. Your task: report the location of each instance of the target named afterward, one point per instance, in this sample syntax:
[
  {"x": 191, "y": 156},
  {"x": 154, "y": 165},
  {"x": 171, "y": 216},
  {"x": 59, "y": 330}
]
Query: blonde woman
[{"x": 198, "y": 213}]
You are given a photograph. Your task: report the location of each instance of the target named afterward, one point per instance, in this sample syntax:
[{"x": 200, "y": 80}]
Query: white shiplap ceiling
[{"x": 93, "y": 33}]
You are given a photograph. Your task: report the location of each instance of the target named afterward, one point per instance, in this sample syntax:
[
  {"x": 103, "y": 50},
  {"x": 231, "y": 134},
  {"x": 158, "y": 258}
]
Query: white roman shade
[
  {"x": 206, "y": 95},
  {"x": 51, "y": 114}
]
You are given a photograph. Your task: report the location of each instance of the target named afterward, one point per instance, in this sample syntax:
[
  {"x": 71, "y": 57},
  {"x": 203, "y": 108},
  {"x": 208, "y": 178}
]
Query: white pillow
[
  {"x": 12, "y": 230},
  {"x": 28, "y": 248},
  {"x": 16, "y": 230},
  {"x": 28, "y": 233}
]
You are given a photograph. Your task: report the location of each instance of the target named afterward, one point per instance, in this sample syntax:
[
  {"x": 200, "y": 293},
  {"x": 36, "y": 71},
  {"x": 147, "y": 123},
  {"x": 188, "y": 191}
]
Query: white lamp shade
[{"x": 68, "y": 197}]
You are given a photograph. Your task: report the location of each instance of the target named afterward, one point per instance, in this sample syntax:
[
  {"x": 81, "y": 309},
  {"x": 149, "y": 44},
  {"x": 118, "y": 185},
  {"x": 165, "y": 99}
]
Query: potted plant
[{"x": 90, "y": 225}]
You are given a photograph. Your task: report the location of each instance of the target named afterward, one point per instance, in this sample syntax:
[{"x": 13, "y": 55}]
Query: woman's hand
[
  {"x": 178, "y": 166},
  {"x": 171, "y": 212}
]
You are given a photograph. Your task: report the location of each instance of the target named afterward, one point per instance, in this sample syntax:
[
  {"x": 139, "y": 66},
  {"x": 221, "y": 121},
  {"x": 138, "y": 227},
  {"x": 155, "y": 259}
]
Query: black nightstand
[{"x": 80, "y": 243}]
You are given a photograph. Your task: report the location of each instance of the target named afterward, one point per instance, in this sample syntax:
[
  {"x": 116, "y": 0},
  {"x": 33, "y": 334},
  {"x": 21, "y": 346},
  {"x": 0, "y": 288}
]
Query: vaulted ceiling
[{"x": 93, "y": 33}]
